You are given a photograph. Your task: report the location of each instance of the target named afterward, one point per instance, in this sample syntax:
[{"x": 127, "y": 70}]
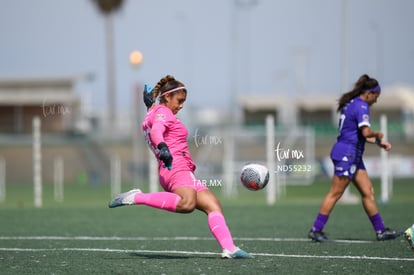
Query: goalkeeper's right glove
[
  {"x": 165, "y": 155},
  {"x": 148, "y": 96}
]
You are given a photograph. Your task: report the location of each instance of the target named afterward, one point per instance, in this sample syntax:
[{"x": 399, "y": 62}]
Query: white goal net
[{"x": 289, "y": 154}]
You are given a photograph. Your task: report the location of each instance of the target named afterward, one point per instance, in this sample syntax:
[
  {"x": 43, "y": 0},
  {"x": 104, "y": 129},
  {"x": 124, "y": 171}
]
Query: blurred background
[{"x": 80, "y": 67}]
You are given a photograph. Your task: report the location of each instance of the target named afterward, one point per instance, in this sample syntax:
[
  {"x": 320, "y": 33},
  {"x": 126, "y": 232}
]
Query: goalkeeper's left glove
[
  {"x": 148, "y": 96},
  {"x": 165, "y": 155}
]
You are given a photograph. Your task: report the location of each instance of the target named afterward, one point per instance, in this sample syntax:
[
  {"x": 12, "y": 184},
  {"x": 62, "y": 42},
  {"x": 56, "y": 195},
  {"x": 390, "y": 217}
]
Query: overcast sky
[{"x": 218, "y": 48}]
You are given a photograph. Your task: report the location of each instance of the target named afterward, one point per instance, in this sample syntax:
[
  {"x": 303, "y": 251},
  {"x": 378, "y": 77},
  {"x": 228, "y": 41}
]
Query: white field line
[
  {"x": 182, "y": 238},
  {"x": 202, "y": 253}
]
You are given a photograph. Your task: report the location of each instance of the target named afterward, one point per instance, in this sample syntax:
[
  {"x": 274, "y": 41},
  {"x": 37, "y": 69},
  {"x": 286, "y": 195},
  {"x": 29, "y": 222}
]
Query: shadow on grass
[
  {"x": 158, "y": 256},
  {"x": 170, "y": 257}
]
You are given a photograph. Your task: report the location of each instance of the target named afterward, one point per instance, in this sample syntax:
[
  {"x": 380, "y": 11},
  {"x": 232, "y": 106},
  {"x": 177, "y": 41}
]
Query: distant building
[
  {"x": 319, "y": 110},
  {"x": 52, "y": 99},
  {"x": 396, "y": 102},
  {"x": 255, "y": 108}
]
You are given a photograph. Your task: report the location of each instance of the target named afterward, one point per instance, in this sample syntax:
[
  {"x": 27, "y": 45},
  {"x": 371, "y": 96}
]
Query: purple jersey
[
  {"x": 347, "y": 151},
  {"x": 355, "y": 115}
]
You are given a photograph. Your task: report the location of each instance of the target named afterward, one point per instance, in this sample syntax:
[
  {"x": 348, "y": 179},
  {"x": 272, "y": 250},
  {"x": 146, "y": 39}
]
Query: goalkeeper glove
[
  {"x": 165, "y": 155},
  {"x": 148, "y": 96}
]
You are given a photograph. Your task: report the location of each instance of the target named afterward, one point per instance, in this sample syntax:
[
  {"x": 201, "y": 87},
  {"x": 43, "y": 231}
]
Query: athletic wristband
[{"x": 377, "y": 141}]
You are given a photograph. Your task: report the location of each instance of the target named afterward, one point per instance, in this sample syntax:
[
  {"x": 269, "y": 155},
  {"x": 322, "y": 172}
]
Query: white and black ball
[{"x": 254, "y": 176}]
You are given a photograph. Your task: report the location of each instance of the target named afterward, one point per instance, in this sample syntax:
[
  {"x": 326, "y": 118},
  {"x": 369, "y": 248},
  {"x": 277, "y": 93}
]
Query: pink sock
[
  {"x": 161, "y": 200},
  {"x": 220, "y": 231}
]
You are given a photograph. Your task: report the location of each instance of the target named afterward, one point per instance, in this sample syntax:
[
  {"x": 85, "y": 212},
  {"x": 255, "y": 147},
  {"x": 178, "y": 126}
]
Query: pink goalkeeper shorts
[{"x": 171, "y": 180}]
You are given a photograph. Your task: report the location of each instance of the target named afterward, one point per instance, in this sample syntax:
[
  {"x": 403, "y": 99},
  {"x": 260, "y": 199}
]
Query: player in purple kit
[
  {"x": 346, "y": 154},
  {"x": 167, "y": 136}
]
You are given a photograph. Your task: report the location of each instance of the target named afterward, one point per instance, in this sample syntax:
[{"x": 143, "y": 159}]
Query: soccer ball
[{"x": 254, "y": 176}]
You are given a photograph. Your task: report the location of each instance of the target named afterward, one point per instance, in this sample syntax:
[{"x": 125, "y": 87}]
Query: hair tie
[
  {"x": 376, "y": 89},
  {"x": 172, "y": 90}
]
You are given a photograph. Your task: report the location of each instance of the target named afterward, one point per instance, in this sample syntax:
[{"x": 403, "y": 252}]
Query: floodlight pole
[
  {"x": 347, "y": 196},
  {"x": 135, "y": 61},
  {"x": 110, "y": 74}
]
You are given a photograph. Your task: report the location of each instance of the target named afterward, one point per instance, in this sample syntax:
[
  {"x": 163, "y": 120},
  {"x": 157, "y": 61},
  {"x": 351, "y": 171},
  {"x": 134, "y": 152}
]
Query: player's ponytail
[
  {"x": 166, "y": 84},
  {"x": 364, "y": 83}
]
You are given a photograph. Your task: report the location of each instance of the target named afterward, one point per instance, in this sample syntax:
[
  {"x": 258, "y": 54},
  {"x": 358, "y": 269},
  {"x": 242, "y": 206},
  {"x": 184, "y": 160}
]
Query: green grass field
[{"x": 83, "y": 236}]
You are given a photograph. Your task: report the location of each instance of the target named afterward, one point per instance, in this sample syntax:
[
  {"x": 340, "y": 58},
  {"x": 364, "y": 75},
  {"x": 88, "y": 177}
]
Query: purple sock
[
  {"x": 377, "y": 223},
  {"x": 320, "y": 222}
]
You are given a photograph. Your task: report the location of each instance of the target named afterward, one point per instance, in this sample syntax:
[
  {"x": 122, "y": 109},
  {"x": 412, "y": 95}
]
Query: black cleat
[
  {"x": 388, "y": 234},
  {"x": 317, "y": 236}
]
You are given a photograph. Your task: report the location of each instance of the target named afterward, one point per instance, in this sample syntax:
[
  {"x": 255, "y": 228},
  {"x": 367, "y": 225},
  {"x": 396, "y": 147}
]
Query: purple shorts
[
  {"x": 345, "y": 168},
  {"x": 346, "y": 160}
]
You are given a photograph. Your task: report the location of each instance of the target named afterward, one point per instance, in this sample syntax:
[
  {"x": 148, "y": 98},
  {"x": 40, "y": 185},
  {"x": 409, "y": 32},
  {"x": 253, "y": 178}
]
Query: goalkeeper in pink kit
[{"x": 167, "y": 137}]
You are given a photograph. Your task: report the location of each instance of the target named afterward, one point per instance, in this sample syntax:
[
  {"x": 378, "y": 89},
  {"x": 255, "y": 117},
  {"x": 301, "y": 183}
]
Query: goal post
[
  {"x": 386, "y": 182},
  {"x": 2, "y": 179},
  {"x": 37, "y": 162},
  {"x": 270, "y": 159},
  {"x": 288, "y": 152},
  {"x": 153, "y": 173},
  {"x": 58, "y": 178},
  {"x": 115, "y": 175}
]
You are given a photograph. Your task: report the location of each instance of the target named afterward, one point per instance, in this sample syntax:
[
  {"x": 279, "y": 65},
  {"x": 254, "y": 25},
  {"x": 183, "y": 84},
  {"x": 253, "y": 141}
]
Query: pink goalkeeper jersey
[{"x": 161, "y": 125}]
